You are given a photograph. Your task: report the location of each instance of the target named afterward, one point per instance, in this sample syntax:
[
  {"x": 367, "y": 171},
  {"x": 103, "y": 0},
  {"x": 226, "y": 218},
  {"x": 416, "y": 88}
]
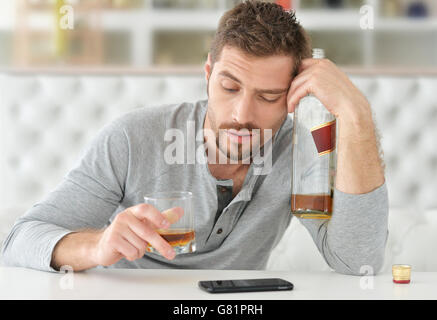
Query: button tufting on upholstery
[
  {"x": 393, "y": 162},
  {"x": 27, "y": 187},
  {"x": 14, "y": 162},
  {"x": 99, "y": 112},
  {"x": 28, "y": 138},
  {"x": 373, "y": 89},
  {"x": 55, "y": 161},
  {"x": 413, "y": 138},
  {"x": 55, "y": 112},
  {"x": 412, "y": 190},
  {"x": 77, "y": 87},
  {"x": 14, "y": 111},
  {"x": 414, "y": 89},
  {"x": 391, "y": 114},
  {"x": 76, "y": 137},
  {"x": 433, "y": 163},
  {"x": 432, "y": 114}
]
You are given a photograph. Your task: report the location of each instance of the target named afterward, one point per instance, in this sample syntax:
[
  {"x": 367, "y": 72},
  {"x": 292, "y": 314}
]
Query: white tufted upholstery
[{"x": 47, "y": 119}]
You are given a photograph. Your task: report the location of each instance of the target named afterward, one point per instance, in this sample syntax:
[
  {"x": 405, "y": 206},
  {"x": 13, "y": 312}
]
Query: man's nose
[{"x": 243, "y": 110}]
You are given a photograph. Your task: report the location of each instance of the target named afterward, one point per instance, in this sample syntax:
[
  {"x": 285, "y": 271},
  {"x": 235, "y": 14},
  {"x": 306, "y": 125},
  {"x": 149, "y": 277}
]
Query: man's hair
[{"x": 261, "y": 29}]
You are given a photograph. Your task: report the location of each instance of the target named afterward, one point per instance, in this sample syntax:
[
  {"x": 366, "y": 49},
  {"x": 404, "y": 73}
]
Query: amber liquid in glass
[
  {"x": 182, "y": 240},
  {"x": 312, "y": 206}
]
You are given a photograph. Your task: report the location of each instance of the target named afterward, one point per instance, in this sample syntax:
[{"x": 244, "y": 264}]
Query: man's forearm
[
  {"x": 75, "y": 250},
  {"x": 357, "y": 232},
  {"x": 359, "y": 166}
]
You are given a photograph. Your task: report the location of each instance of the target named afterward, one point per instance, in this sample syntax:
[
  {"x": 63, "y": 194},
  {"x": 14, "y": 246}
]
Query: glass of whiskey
[{"x": 180, "y": 235}]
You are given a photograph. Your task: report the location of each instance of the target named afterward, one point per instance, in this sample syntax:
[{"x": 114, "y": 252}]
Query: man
[{"x": 257, "y": 71}]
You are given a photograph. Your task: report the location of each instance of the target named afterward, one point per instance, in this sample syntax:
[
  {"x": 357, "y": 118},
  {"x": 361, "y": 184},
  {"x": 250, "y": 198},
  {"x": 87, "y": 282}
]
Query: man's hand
[
  {"x": 332, "y": 87},
  {"x": 126, "y": 237},
  {"x": 359, "y": 166},
  {"x": 128, "y": 234}
]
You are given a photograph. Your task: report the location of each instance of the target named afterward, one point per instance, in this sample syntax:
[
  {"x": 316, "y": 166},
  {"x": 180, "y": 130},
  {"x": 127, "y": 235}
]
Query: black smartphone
[{"x": 245, "y": 285}]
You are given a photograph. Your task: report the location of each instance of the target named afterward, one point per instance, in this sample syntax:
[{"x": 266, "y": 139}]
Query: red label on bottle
[{"x": 324, "y": 137}]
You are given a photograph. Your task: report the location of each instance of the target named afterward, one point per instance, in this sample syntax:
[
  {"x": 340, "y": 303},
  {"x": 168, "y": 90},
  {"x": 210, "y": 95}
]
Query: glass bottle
[{"x": 313, "y": 158}]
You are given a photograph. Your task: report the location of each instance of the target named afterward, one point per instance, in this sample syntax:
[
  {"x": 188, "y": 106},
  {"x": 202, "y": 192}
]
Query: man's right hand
[{"x": 128, "y": 234}]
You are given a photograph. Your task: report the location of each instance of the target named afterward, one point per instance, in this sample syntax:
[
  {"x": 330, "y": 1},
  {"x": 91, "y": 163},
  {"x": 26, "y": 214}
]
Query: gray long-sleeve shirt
[{"x": 126, "y": 160}]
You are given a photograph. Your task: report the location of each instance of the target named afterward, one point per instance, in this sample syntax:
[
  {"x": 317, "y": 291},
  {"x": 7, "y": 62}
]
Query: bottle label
[{"x": 324, "y": 137}]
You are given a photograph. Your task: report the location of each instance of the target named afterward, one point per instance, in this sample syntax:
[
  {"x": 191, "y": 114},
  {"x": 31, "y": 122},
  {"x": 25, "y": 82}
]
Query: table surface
[{"x": 160, "y": 284}]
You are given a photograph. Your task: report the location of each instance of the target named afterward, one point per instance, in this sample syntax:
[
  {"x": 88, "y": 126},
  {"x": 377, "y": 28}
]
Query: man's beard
[
  {"x": 228, "y": 152},
  {"x": 234, "y": 150}
]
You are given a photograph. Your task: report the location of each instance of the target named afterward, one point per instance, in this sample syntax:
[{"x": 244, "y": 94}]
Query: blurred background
[{"x": 177, "y": 33}]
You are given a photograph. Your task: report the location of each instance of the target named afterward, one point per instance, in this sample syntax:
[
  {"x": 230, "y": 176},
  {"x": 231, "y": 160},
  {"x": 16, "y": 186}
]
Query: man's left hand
[
  {"x": 332, "y": 87},
  {"x": 359, "y": 167}
]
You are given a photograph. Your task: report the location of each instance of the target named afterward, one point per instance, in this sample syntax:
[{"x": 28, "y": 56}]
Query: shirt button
[
  {"x": 223, "y": 189},
  {"x": 219, "y": 231}
]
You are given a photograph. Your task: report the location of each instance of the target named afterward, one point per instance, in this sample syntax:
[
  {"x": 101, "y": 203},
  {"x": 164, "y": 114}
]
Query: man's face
[{"x": 246, "y": 93}]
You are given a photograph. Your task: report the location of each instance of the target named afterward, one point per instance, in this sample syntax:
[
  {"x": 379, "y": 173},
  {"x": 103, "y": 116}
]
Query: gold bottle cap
[{"x": 401, "y": 273}]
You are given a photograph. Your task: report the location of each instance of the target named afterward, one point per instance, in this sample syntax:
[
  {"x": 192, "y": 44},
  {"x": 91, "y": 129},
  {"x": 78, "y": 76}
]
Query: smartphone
[{"x": 245, "y": 285}]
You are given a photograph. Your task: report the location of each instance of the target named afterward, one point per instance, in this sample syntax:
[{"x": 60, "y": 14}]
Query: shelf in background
[
  {"x": 329, "y": 19},
  {"x": 140, "y": 37},
  {"x": 198, "y": 70},
  {"x": 162, "y": 19},
  {"x": 170, "y": 19},
  {"x": 405, "y": 24},
  {"x": 207, "y": 19}
]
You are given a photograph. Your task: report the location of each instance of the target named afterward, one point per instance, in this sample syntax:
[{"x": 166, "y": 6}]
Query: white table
[{"x": 152, "y": 284}]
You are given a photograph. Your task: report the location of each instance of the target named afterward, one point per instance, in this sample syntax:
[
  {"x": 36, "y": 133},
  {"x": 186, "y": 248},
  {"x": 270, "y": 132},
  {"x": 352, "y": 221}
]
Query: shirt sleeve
[
  {"x": 85, "y": 199},
  {"x": 353, "y": 241}
]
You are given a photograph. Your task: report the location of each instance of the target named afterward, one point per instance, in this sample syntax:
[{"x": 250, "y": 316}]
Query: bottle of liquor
[{"x": 313, "y": 158}]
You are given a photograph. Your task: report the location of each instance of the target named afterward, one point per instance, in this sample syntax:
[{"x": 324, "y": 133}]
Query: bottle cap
[{"x": 401, "y": 273}]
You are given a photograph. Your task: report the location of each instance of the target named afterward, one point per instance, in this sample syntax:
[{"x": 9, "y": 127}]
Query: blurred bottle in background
[
  {"x": 391, "y": 8},
  {"x": 417, "y": 9},
  {"x": 286, "y": 4},
  {"x": 334, "y": 3}
]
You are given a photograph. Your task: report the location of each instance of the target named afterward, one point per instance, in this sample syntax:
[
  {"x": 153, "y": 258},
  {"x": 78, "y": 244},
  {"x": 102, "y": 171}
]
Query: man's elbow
[
  {"x": 14, "y": 246},
  {"x": 360, "y": 258},
  {"x": 361, "y": 269},
  {"x": 370, "y": 264}
]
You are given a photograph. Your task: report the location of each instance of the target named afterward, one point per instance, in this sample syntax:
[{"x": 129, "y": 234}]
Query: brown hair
[{"x": 261, "y": 29}]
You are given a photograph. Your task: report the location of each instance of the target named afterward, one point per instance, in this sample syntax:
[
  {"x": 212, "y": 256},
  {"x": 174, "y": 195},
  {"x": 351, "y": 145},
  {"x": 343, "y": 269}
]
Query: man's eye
[
  {"x": 265, "y": 99},
  {"x": 230, "y": 90},
  {"x": 270, "y": 101}
]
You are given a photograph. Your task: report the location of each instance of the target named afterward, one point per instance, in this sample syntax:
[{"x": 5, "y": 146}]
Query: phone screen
[{"x": 245, "y": 285}]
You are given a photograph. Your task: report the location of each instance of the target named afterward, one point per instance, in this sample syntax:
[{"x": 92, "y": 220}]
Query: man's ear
[{"x": 208, "y": 68}]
